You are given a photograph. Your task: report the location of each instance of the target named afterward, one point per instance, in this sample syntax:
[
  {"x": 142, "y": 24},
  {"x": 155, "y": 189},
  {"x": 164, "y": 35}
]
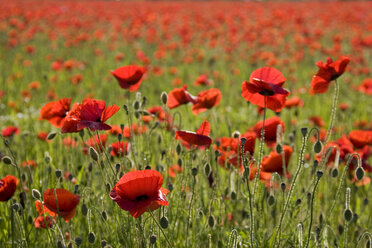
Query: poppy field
[{"x": 185, "y": 124}]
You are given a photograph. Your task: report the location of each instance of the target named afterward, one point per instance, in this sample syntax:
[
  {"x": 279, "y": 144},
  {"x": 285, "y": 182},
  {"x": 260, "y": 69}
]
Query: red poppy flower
[
  {"x": 91, "y": 114},
  {"x": 94, "y": 142},
  {"x": 8, "y": 186},
  {"x": 203, "y": 80},
  {"x": 317, "y": 121},
  {"x": 42, "y": 136},
  {"x": 266, "y": 82},
  {"x": 61, "y": 202},
  {"x": 9, "y": 131},
  {"x": 156, "y": 111},
  {"x": 124, "y": 148},
  {"x": 29, "y": 163},
  {"x": 55, "y": 112},
  {"x": 42, "y": 222},
  {"x": 42, "y": 209},
  {"x": 200, "y": 138},
  {"x": 294, "y": 102},
  {"x": 366, "y": 86},
  {"x": 129, "y": 77},
  {"x": 174, "y": 170},
  {"x": 206, "y": 99},
  {"x": 271, "y": 126},
  {"x": 179, "y": 96},
  {"x": 328, "y": 72},
  {"x": 274, "y": 162},
  {"x": 139, "y": 191},
  {"x": 360, "y": 138}
]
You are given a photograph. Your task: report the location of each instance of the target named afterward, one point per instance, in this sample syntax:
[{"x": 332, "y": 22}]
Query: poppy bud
[
  {"x": 108, "y": 187},
  {"x": 348, "y": 215},
  {"x": 359, "y": 173},
  {"x": 317, "y": 146},
  {"x": 164, "y": 222},
  {"x": 23, "y": 176},
  {"x": 93, "y": 154},
  {"x": 91, "y": 238},
  {"x": 103, "y": 243},
  {"x": 70, "y": 245},
  {"x": 178, "y": 149},
  {"x": 180, "y": 161},
  {"x": 125, "y": 107},
  {"x": 304, "y": 131},
  {"x": 298, "y": 201},
  {"x": 137, "y": 114},
  {"x": 51, "y": 135},
  {"x": 340, "y": 229},
  {"x": 78, "y": 241},
  {"x": 144, "y": 100},
  {"x": 211, "y": 221},
  {"x": 47, "y": 158},
  {"x": 279, "y": 148},
  {"x": 152, "y": 239},
  {"x": 319, "y": 174},
  {"x": 164, "y": 97},
  {"x": 233, "y": 195},
  {"x": 283, "y": 186},
  {"x": 271, "y": 200},
  {"x": 60, "y": 244},
  {"x": 104, "y": 215},
  {"x": 170, "y": 187},
  {"x": 207, "y": 169},
  {"x": 148, "y": 167},
  {"x": 136, "y": 105},
  {"x": 81, "y": 133},
  {"x": 36, "y": 194},
  {"x": 194, "y": 171},
  {"x": 236, "y": 134},
  {"x": 117, "y": 167},
  {"x": 7, "y": 160},
  {"x": 15, "y": 207},
  {"x": 84, "y": 209},
  {"x": 120, "y": 136},
  {"x": 58, "y": 173},
  {"x": 334, "y": 172}
]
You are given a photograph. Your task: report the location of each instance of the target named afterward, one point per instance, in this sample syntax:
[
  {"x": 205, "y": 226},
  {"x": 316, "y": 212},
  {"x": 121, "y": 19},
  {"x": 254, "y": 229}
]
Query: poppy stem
[
  {"x": 311, "y": 212},
  {"x": 161, "y": 229},
  {"x": 107, "y": 158}
]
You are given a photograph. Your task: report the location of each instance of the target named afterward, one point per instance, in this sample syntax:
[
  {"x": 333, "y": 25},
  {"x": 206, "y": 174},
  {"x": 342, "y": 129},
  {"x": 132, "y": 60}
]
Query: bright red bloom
[
  {"x": 9, "y": 131},
  {"x": 294, "y": 102},
  {"x": 360, "y": 138},
  {"x": 200, "y": 138},
  {"x": 274, "y": 162},
  {"x": 55, "y": 112},
  {"x": 42, "y": 222},
  {"x": 174, "y": 170},
  {"x": 42, "y": 209},
  {"x": 8, "y": 186},
  {"x": 271, "y": 126},
  {"x": 179, "y": 96},
  {"x": 42, "y": 136},
  {"x": 206, "y": 99},
  {"x": 61, "y": 202},
  {"x": 317, "y": 121},
  {"x": 94, "y": 142},
  {"x": 266, "y": 82},
  {"x": 124, "y": 148},
  {"x": 366, "y": 86},
  {"x": 129, "y": 77},
  {"x": 91, "y": 114},
  {"x": 328, "y": 72},
  {"x": 155, "y": 111},
  {"x": 139, "y": 191}
]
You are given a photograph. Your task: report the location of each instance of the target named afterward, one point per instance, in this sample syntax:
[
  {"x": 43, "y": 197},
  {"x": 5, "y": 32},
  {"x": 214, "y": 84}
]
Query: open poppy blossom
[
  {"x": 8, "y": 186},
  {"x": 266, "y": 82},
  {"x": 42, "y": 209},
  {"x": 9, "y": 131},
  {"x": 140, "y": 191},
  {"x": 206, "y": 99},
  {"x": 271, "y": 126},
  {"x": 124, "y": 148},
  {"x": 91, "y": 114},
  {"x": 55, "y": 112},
  {"x": 294, "y": 102},
  {"x": 61, "y": 202},
  {"x": 328, "y": 72},
  {"x": 274, "y": 161},
  {"x": 200, "y": 138},
  {"x": 129, "y": 77},
  {"x": 179, "y": 96}
]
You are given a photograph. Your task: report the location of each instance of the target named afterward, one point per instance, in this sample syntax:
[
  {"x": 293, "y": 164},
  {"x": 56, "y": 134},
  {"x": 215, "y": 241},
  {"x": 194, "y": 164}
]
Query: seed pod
[
  {"x": 78, "y": 241},
  {"x": 104, "y": 215},
  {"x": 36, "y": 194},
  {"x": 279, "y": 148},
  {"x": 58, "y": 173},
  {"x": 348, "y": 215},
  {"x": 359, "y": 173},
  {"x": 334, "y": 172},
  {"x": 178, "y": 149},
  {"x": 51, "y": 135},
  {"x": 84, "y": 209},
  {"x": 164, "y": 97},
  {"x": 236, "y": 134},
  {"x": 136, "y": 105},
  {"x": 271, "y": 200},
  {"x": 283, "y": 186},
  {"x": 317, "y": 146},
  {"x": 194, "y": 171},
  {"x": 211, "y": 221},
  {"x": 91, "y": 238},
  {"x": 7, "y": 160},
  {"x": 152, "y": 239},
  {"x": 93, "y": 154},
  {"x": 164, "y": 222},
  {"x": 207, "y": 169}
]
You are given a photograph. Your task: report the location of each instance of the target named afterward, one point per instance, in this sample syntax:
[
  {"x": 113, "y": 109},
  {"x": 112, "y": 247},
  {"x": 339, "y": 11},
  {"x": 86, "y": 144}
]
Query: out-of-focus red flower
[
  {"x": 317, "y": 121},
  {"x": 266, "y": 82},
  {"x": 8, "y": 186},
  {"x": 200, "y": 138},
  {"x": 179, "y": 96},
  {"x": 129, "y": 77},
  {"x": 366, "y": 86},
  {"x": 42, "y": 136},
  {"x": 174, "y": 170},
  {"x": 206, "y": 99},
  {"x": 124, "y": 148},
  {"x": 30, "y": 163},
  {"x": 294, "y": 102},
  {"x": 55, "y": 112},
  {"x": 67, "y": 202},
  {"x": 94, "y": 142},
  {"x": 90, "y": 114},
  {"x": 274, "y": 162},
  {"x": 9, "y": 131},
  {"x": 140, "y": 191},
  {"x": 360, "y": 138},
  {"x": 271, "y": 126},
  {"x": 203, "y": 80},
  {"x": 328, "y": 72},
  {"x": 42, "y": 222}
]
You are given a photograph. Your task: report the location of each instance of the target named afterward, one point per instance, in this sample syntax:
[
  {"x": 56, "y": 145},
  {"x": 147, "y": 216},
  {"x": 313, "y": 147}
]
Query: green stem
[
  {"x": 161, "y": 229},
  {"x": 311, "y": 212}
]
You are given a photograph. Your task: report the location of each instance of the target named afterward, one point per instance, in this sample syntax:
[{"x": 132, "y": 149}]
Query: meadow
[{"x": 185, "y": 124}]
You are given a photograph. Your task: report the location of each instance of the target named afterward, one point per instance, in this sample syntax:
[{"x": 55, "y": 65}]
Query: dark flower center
[
  {"x": 141, "y": 198},
  {"x": 267, "y": 92}
]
